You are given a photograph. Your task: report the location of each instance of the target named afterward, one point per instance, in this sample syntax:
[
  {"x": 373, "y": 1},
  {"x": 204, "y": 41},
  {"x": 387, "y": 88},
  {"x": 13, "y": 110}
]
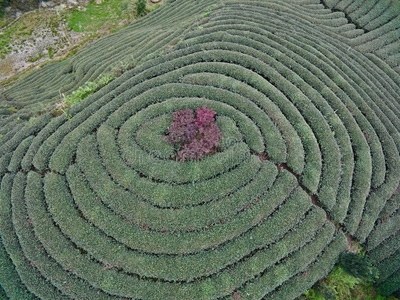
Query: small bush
[
  {"x": 359, "y": 266},
  {"x": 82, "y": 93},
  {"x": 141, "y": 8},
  {"x": 338, "y": 285},
  {"x": 195, "y": 136}
]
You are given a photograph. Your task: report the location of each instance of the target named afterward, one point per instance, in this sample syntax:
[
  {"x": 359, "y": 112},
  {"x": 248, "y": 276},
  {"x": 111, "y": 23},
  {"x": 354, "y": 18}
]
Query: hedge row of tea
[
  {"x": 383, "y": 246},
  {"x": 138, "y": 42},
  {"x": 39, "y": 91},
  {"x": 94, "y": 207},
  {"x": 379, "y": 20}
]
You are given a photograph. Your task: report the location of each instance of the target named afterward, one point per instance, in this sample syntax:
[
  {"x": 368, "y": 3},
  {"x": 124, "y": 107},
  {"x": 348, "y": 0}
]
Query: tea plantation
[{"x": 307, "y": 99}]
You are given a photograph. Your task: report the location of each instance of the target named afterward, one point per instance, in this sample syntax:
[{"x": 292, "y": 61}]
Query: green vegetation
[
  {"x": 380, "y": 20},
  {"x": 359, "y": 266},
  {"x": 85, "y": 91},
  {"x": 2, "y": 4},
  {"x": 46, "y": 34},
  {"x": 141, "y": 7},
  {"x": 104, "y": 14},
  {"x": 21, "y": 30},
  {"x": 91, "y": 87},
  {"x": 92, "y": 206},
  {"x": 108, "y": 15},
  {"x": 339, "y": 285}
]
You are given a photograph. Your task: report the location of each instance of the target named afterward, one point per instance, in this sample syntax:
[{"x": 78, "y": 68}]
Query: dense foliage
[
  {"x": 359, "y": 266},
  {"x": 196, "y": 136},
  {"x": 3, "y": 3},
  {"x": 140, "y": 7}
]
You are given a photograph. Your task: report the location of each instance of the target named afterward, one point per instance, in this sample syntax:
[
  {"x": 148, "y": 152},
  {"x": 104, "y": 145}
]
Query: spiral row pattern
[{"x": 92, "y": 206}]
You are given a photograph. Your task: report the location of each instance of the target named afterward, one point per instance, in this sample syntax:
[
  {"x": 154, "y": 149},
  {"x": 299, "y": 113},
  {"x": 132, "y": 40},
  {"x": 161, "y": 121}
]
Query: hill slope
[{"x": 308, "y": 104}]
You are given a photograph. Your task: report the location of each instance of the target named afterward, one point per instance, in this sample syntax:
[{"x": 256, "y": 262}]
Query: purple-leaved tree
[{"x": 196, "y": 135}]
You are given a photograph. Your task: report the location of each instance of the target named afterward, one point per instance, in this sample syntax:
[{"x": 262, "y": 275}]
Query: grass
[
  {"x": 82, "y": 93},
  {"x": 91, "y": 87},
  {"x": 88, "y": 89},
  {"x": 109, "y": 15},
  {"x": 100, "y": 14}
]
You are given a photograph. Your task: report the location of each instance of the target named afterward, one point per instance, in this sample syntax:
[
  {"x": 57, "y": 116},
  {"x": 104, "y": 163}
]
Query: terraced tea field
[{"x": 307, "y": 96}]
